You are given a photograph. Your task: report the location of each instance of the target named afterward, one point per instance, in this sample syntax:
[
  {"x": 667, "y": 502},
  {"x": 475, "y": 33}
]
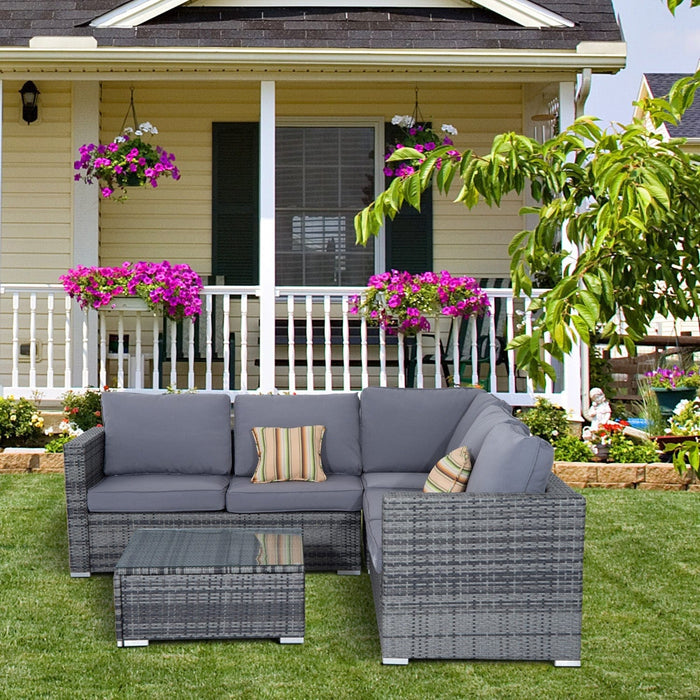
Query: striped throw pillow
[
  {"x": 289, "y": 454},
  {"x": 450, "y": 474}
]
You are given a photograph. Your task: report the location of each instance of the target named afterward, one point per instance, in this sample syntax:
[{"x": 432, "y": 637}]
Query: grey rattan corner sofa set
[{"x": 492, "y": 573}]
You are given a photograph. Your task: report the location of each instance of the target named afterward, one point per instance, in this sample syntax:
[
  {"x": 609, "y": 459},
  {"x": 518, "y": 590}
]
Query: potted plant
[
  {"x": 127, "y": 161},
  {"x": 172, "y": 290},
  {"x": 415, "y": 141},
  {"x": 673, "y": 385},
  {"x": 402, "y": 303}
]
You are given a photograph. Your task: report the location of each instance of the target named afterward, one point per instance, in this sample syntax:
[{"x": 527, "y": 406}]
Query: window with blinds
[{"x": 324, "y": 176}]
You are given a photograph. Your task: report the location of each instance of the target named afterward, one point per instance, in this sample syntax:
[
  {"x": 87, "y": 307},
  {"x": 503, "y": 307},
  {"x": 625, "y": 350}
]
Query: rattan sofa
[{"x": 492, "y": 573}]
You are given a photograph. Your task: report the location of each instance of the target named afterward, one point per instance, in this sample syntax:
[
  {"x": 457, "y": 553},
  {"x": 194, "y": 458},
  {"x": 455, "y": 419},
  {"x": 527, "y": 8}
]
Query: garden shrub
[
  {"x": 545, "y": 420},
  {"x": 20, "y": 422},
  {"x": 83, "y": 410},
  {"x": 571, "y": 449}
]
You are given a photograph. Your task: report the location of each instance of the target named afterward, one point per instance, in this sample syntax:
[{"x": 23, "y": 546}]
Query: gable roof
[
  {"x": 314, "y": 26},
  {"x": 522, "y": 12},
  {"x": 659, "y": 85}
]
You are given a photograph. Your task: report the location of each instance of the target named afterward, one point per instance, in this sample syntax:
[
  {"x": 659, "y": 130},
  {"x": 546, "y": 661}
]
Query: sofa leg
[
  {"x": 349, "y": 572},
  {"x": 566, "y": 663},
  {"x": 291, "y": 640},
  {"x": 132, "y": 643},
  {"x": 80, "y": 574},
  {"x": 390, "y": 661}
]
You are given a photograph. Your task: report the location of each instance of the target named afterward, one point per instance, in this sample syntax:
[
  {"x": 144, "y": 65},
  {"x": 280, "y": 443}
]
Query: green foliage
[
  {"x": 58, "y": 443},
  {"x": 686, "y": 456},
  {"x": 83, "y": 410},
  {"x": 545, "y": 420},
  {"x": 572, "y": 449},
  {"x": 629, "y": 203},
  {"x": 20, "y": 421},
  {"x": 624, "y": 450}
]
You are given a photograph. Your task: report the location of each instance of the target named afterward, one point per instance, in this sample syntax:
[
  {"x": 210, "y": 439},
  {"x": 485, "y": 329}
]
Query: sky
[{"x": 657, "y": 42}]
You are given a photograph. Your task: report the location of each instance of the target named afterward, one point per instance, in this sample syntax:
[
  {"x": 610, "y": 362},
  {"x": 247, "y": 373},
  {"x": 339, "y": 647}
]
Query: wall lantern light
[{"x": 30, "y": 97}]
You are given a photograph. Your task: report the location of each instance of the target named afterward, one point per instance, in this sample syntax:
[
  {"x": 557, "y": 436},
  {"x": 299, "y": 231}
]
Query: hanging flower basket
[
  {"x": 172, "y": 290},
  {"x": 402, "y": 303},
  {"x": 417, "y": 140},
  {"x": 128, "y": 161}
]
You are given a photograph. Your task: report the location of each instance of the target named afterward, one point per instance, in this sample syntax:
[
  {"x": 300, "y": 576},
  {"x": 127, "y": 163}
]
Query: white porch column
[
  {"x": 573, "y": 364},
  {"x": 267, "y": 235},
  {"x": 1, "y": 137},
  {"x": 86, "y": 129}
]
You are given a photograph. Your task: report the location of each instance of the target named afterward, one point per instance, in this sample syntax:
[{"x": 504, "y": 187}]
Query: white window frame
[{"x": 379, "y": 147}]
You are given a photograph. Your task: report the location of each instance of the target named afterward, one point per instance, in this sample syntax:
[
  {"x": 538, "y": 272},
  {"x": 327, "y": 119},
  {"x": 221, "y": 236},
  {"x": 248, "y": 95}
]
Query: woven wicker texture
[
  {"x": 205, "y": 584},
  {"x": 481, "y": 576}
]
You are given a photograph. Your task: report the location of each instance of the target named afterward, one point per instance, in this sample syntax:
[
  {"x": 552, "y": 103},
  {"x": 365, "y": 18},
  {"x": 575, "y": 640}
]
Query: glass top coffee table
[{"x": 210, "y": 584}]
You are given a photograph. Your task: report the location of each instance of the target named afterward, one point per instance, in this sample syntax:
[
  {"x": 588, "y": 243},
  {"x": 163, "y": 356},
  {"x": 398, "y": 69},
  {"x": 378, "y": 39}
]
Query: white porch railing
[{"x": 49, "y": 345}]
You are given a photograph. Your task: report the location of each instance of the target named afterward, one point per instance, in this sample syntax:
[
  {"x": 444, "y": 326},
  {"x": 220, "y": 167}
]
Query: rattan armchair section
[{"x": 469, "y": 576}]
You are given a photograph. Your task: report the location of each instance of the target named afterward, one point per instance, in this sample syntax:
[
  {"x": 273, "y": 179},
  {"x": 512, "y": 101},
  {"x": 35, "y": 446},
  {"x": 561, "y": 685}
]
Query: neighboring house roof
[
  {"x": 659, "y": 85},
  {"x": 317, "y": 26}
]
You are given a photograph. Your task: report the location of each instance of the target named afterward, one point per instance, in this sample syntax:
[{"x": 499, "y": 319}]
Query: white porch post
[
  {"x": 1, "y": 137},
  {"x": 86, "y": 129},
  {"x": 573, "y": 364},
  {"x": 267, "y": 235}
]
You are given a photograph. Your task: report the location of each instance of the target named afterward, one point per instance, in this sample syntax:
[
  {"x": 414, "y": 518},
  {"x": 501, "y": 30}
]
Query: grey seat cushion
[
  {"x": 339, "y": 413},
  {"x": 158, "y": 493},
  {"x": 408, "y": 429},
  {"x": 339, "y": 492},
  {"x": 167, "y": 433},
  {"x": 378, "y": 483},
  {"x": 484, "y": 422},
  {"x": 510, "y": 462}
]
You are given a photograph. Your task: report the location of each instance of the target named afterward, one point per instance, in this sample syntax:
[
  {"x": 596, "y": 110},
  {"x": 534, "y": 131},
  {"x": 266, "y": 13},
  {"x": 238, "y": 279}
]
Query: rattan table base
[{"x": 210, "y": 584}]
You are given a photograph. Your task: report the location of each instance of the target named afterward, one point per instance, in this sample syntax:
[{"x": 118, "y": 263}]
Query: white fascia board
[
  {"x": 522, "y": 12},
  {"x": 525, "y": 13},
  {"x": 134, "y": 13},
  {"x": 192, "y": 59}
]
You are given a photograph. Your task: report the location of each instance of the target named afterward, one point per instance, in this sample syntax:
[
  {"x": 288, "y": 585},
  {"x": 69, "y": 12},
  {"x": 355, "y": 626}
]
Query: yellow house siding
[
  {"x": 36, "y": 186},
  {"x": 175, "y": 221}
]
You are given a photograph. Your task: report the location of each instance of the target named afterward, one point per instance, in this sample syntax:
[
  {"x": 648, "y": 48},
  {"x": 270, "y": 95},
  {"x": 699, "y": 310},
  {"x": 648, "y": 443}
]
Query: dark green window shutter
[
  {"x": 409, "y": 237},
  {"x": 235, "y": 201}
]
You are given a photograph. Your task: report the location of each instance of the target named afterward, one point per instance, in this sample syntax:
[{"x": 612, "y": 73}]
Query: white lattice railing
[{"x": 49, "y": 345}]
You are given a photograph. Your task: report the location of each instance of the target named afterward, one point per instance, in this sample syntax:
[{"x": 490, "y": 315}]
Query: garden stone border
[
  {"x": 42, "y": 462},
  {"x": 653, "y": 476}
]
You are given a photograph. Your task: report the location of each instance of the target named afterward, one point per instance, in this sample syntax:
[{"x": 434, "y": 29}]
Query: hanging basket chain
[{"x": 130, "y": 109}]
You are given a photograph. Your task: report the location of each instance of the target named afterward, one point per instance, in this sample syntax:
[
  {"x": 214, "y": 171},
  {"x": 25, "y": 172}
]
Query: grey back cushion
[
  {"x": 511, "y": 462},
  {"x": 340, "y": 450},
  {"x": 483, "y": 423},
  {"x": 167, "y": 433},
  {"x": 407, "y": 430}
]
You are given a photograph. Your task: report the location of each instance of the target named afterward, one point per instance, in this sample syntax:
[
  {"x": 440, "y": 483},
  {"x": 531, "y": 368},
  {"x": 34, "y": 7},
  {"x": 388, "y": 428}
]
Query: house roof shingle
[
  {"x": 660, "y": 85},
  {"x": 310, "y": 27}
]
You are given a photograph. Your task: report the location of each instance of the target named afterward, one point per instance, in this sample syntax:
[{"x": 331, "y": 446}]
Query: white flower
[
  {"x": 680, "y": 406},
  {"x": 128, "y": 130},
  {"x": 404, "y": 120},
  {"x": 148, "y": 128},
  {"x": 138, "y": 132},
  {"x": 449, "y": 129},
  {"x": 119, "y": 139}
]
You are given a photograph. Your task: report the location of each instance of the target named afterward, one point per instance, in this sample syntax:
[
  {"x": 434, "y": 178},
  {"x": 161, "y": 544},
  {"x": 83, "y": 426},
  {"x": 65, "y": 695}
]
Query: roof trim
[
  {"x": 522, "y": 12},
  {"x": 599, "y": 56}
]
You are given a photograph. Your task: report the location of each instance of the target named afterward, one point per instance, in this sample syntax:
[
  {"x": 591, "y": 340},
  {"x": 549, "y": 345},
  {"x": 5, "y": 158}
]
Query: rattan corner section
[{"x": 477, "y": 576}]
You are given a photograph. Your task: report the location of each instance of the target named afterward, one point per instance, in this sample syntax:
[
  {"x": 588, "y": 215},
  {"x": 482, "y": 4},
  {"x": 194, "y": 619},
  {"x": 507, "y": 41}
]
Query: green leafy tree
[{"x": 629, "y": 204}]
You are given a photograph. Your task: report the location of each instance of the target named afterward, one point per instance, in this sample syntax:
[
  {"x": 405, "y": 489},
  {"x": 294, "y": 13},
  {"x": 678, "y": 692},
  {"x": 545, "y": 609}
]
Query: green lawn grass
[{"x": 641, "y": 624}]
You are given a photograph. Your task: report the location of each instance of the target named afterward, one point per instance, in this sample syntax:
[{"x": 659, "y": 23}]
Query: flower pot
[
  {"x": 669, "y": 398},
  {"x": 127, "y": 304}
]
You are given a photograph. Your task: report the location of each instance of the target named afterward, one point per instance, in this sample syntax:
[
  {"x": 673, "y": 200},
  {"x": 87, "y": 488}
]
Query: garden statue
[{"x": 599, "y": 412}]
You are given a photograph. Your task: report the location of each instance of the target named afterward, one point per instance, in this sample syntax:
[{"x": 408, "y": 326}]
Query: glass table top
[{"x": 161, "y": 550}]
